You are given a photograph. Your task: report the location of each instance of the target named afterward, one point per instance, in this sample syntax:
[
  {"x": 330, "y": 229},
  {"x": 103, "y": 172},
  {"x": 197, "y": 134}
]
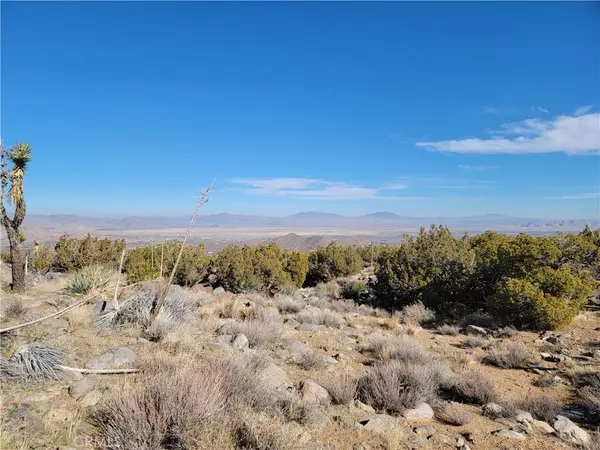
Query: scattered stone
[
  {"x": 492, "y": 409},
  {"x": 226, "y": 338},
  {"x": 425, "y": 430},
  {"x": 568, "y": 431},
  {"x": 313, "y": 392},
  {"x": 510, "y": 434},
  {"x": 554, "y": 357},
  {"x": 219, "y": 291},
  {"x": 474, "y": 330},
  {"x": 542, "y": 426},
  {"x": 81, "y": 387},
  {"x": 70, "y": 375},
  {"x": 378, "y": 423},
  {"x": 422, "y": 412},
  {"x": 91, "y": 398},
  {"x": 112, "y": 358},
  {"x": 596, "y": 354},
  {"x": 240, "y": 342},
  {"x": 363, "y": 406},
  {"x": 291, "y": 322},
  {"x": 275, "y": 378},
  {"x": 523, "y": 416},
  {"x": 330, "y": 360},
  {"x": 460, "y": 441}
]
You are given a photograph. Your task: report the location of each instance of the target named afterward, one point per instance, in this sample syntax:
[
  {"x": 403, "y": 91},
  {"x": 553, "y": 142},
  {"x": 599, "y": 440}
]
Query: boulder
[
  {"x": 81, "y": 387},
  {"x": 240, "y": 342},
  {"x": 540, "y": 425},
  {"x": 275, "y": 378},
  {"x": 523, "y": 416},
  {"x": 510, "y": 434},
  {"x": 112, "y": 358},
  {"x": 421, "y": 412},
  {"x": 492, "y": 409},
  {"x": 91, "y": 398},
  {"x": 313, "y": 392},
  {"x": 568, "y": 431},
  {"x": 219, "y": 291}
]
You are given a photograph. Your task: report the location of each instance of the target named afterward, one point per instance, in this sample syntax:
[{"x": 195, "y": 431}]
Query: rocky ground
[{"x": 314, "y": 347}]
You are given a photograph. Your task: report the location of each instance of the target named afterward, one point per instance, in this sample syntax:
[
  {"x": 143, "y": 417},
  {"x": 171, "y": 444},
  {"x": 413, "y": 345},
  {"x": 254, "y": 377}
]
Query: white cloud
[
  {"x": 468, "y": 168},
  {"x": 589, "y": 195},
  {"x": 583, "y": 110},
  {"x": 544, "y": 110},
  {"x": 315, "y": 189},
  {"x": 497, "y": 111},
  {"x": 567, "y": 134}
]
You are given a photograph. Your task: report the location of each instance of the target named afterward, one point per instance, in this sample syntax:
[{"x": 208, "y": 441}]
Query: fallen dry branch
[
  {"x": 58, "y": 313},
  {"x": 99, "y": 371}
]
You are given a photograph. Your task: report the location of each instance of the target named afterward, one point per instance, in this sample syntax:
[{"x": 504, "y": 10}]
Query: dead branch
[
  {"x": 116, "y": 301},
  {"x": 5, "y": 330},
  {"x": 99, "y": 371}
]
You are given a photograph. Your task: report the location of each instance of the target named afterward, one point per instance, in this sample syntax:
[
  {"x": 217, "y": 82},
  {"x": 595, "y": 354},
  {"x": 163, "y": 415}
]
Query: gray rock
[
  {"x": 219, "y": 291},
  {"x": 291, "y": 322},
  {"x": 70, "y": 375},
  {"x": 421, "y": 412},
  {"x": 460, "y": 441},
  {"x": 425, "y": 430},
  {"x": 275, "y": 378},
  {"x": 378, "y": 423},
  {"x": 510, "y": 434},
  {"x": 81, "y": 387},
  {"x": 366, "y": 408},
  {"x": 523, "y": 416},
  {"x": 91, "y": 398},
  {"x": 112, "y": 358},
  {"x": 474, "y": 330},
  {"x": 568, "y": 431},
  {"x": 542, "y": 426},
  {"x": 313, "y": 392},
  {"x": 240, "y": 342},
  {"x": 492, "y": 409}
]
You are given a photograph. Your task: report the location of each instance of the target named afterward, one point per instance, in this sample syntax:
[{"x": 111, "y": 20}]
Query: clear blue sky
[{"x": 423, "y": 109}]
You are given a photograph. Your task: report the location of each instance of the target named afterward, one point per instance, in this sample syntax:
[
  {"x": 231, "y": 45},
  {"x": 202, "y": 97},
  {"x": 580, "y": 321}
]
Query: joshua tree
[{"x": 12, "y": 178}]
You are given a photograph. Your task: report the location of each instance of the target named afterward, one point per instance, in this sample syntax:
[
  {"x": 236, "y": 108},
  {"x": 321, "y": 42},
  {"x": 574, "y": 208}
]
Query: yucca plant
[
  {"x": 11, "y": 178},
  {"x": 90, "y": 278}
]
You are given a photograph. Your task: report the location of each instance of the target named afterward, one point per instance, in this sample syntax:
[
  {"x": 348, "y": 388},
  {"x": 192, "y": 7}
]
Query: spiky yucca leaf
[{"x": 20, "y": 155}]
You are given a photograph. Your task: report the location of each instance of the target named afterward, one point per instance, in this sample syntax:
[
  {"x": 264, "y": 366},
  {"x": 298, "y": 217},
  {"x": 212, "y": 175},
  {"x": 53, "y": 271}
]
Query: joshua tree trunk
[{"x": 17, "y": 259}]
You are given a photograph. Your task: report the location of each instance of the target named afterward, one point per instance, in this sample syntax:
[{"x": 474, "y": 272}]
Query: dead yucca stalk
[{"x": 156, "y": 307}]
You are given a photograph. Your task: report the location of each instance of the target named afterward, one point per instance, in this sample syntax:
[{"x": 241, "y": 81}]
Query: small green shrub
[
  {"x": 76, "y": 253},
  {"x": 41, "y": 258},
  {"x": 90, "y": 278},
  {"x": 354, "y": 290},
  {"x": 332, "y": 261}
]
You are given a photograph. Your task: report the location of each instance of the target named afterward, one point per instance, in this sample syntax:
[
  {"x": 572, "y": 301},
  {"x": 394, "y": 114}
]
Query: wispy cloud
[
  {"x": 583, "y": 110},
  {"x": 497, "y": 111},
  {"x": 544, "y": 110},
  {"x": 589, "y": 195},
  {"x": 577, "y": 134},
  {"x": 316, "y": 189},
  {"x": 468, "y": 168}
]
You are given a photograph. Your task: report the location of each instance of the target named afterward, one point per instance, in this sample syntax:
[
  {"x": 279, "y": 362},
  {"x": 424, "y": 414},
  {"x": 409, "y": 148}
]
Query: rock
[
  {"x": 542, "y": 426},
  {"x": 492, "y": 409},
  {"x": 70, "y": 375},
  {"x": 425, "y": 430},
  {"x": 510, "y": 434},
  {"x": 219, "y": 291},
  {"x": 523, "y": 416},
  {"x": 275, "y": 378},
  {"x": 225, "y": 338},
  {"x": 568, "y": 431},
  {"x": 366, "y": 408},
  {"x": 295, "y": 349},
  {"x": 596, "y": 354},
  {"x": 91, "y": 398},
  {"x": 291, "y": 322},
  {"x": 330, "y": 360},
  {"x": 112, "y": 358},
  {"x": 422, "y": 412},
  {"x": 81, "y": 387},
  {"x": 460, "y": 441},
  {"x": 313, "y": 392},
  {"x": 474, "y": 330},
  {"x": 378, "y": 423},
  {"x": 240, "y": 342},
  {"x": 554, "y": 357}
]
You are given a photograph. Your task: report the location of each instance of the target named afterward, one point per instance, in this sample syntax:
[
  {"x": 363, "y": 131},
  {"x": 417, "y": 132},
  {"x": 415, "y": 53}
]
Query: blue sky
[{"x": 423, "y": 109}]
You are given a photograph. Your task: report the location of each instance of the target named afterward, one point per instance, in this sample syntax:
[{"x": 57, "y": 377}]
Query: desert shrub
[
  {"x": 318, "y": 316},
  {"x": 354, "y": 290},
  {"x": 295, "y": 264},
  {"x": 587, "y": 383},
  {"x": 506, "y": 332},
  {"x": 5, "y": 257},
  {"x": 76, "y": 253},
  {"x": 328, "y": 291},
  {"x": 332, "y": 261},
  {"x": 14, "y": 309},
  {"x": 471, "y": 386},
  {"x": 416, "y": 314},
  {"x": 311, "y": 361},
  {"x": 507, "y": 410},
  {"x": 512, "y": 355},
  {"x": 41, "y": 258},
  {"x": 254, "y": 431},
  {"x": 294, "y": 409},
  {"x": 90, "y": 278},
  {"x": 399, "y": 348},
  {"x": 448, "y": 330},
  {"x": 434, "y": 268},
  {"x": 162, "y": 410},
  {"x": 545, "y": 381},
  {"x": 288, "y": 305},
  {"x": 260, "y": 328},
  {"x": 541, "y": 407},
  {"x": 452, "y": 414},
  {"x": 394, "y": 386},
  {"x": 341, "y": 388},
  {"x": 475, "y": 342}
]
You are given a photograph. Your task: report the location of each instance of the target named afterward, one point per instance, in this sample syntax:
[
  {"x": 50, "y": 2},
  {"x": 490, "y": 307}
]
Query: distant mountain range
[{"x": 380, "y": 221}]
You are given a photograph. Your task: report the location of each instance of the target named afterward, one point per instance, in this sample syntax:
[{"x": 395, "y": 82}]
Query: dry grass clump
[
  {"x": 470, "y": 386},
  {"x": 260, "y": 328},
  {"x": 14, "y": 309},
  {"x": 343, "y": 306},
  {"x": 545, "y": 381},
  {"x": 317, "y": 316},
  {"x": 400, "y": 348},
  {"x": 416, "y": 314},
  {"x": 475, "y": 342},
  {"x": 78, "y": 318},
  {"x": 587, "y": 382},
  {"x": 254, "y": 431},
  {"x": 511, "y": 355},
  {"x": 287, "y": 305},
  {"x": 293, "y": 409},
  {"x": 448, "y": 330},
  {"x": 162, "y": 410},
  {"x": 507, "y": 410},
  {"x": 453, "y": 414},
  {"x": 541, "y": 407},
  {"x": 329, "y": 290},
  {"x": 90, "y": 278},
  {"x": 395, "y": 386},
  {"x": 341, "y": 388},
  {"x": 311, "y": 361}
]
